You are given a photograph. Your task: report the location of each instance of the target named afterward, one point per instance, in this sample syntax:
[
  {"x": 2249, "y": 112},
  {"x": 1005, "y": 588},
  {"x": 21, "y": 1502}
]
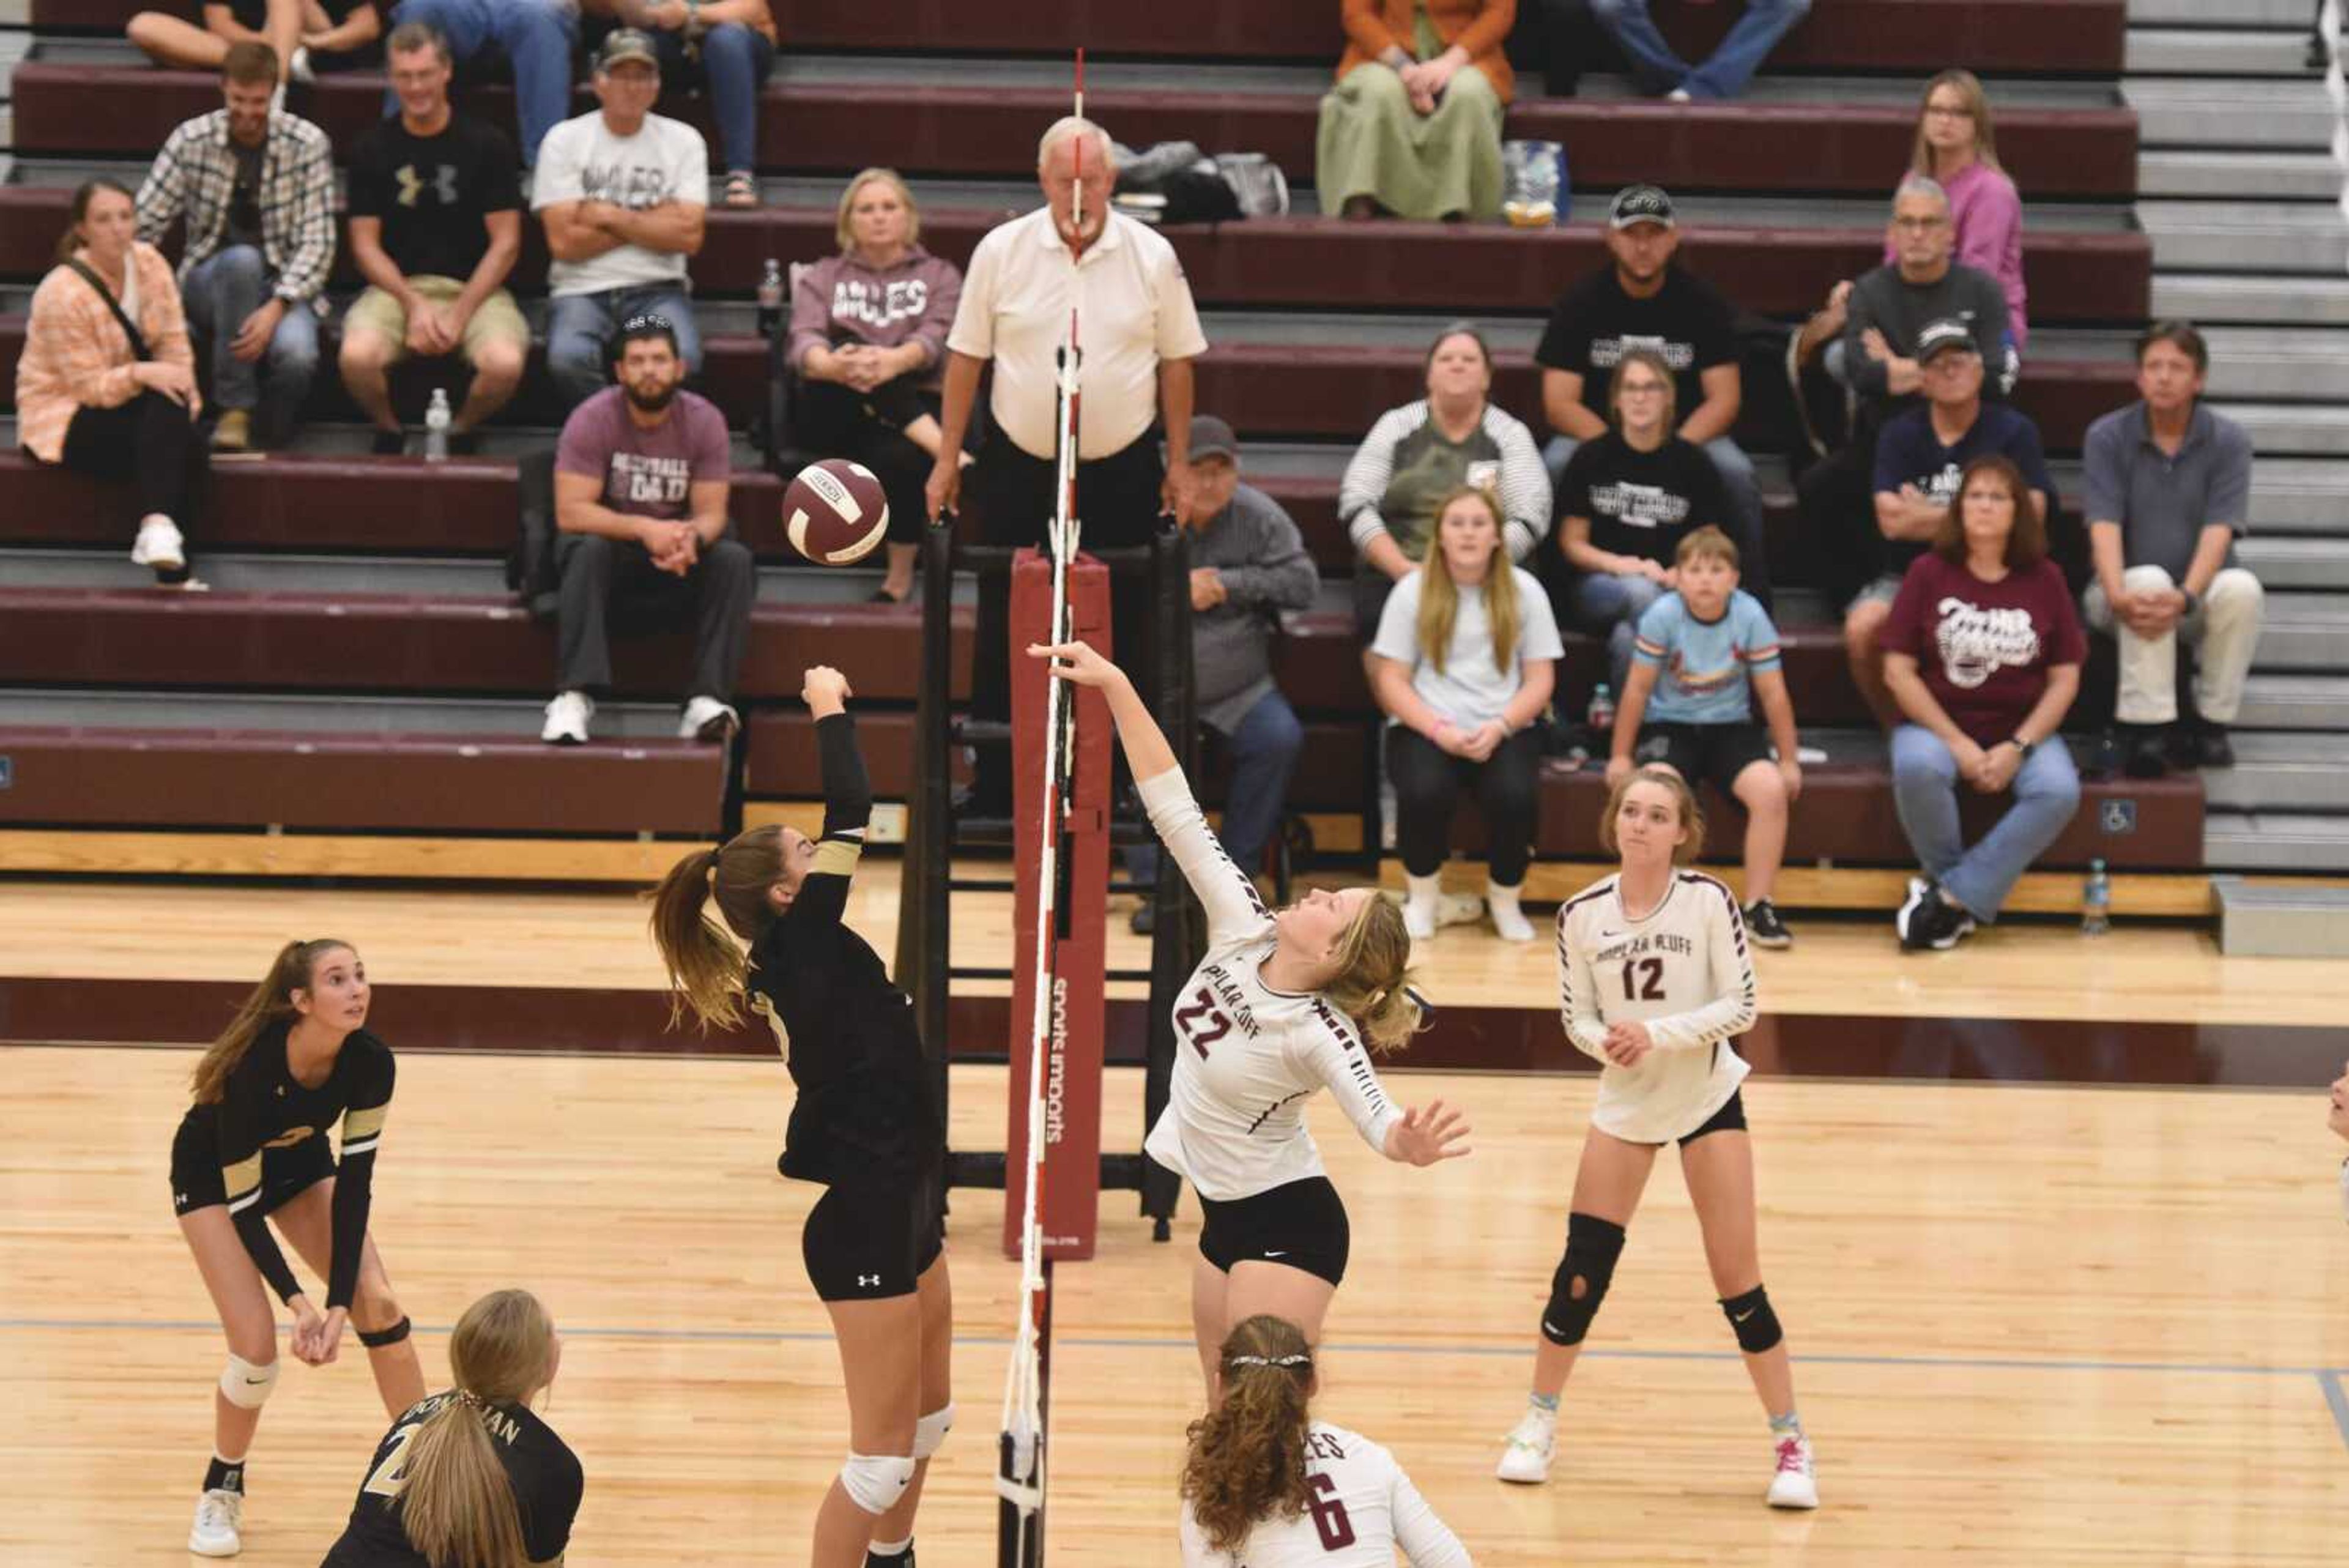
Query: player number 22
[
  {"x": 1329, "y": 1513},
  {"x": 1643, "y": 980},
  {"x": 1202, "y": 1022}
]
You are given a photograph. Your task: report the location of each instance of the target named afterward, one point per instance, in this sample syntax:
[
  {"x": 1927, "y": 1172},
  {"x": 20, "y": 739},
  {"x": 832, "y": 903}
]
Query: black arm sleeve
[
  {"x": 847, "y": 807},
  {"x": 355, "y": 1180},
  {"x": 254, "y": 1228},
  {"x": 239, "y": 1157}
]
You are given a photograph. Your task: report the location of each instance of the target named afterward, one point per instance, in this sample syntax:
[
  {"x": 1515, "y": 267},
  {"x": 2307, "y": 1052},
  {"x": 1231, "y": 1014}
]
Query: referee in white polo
[{"x": 1140, "y": 333}]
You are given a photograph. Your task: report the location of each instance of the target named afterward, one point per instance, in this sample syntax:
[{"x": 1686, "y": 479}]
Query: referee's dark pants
[
  {"x": 612, "y": 584},
  {"x": 1117, "y": 502}
]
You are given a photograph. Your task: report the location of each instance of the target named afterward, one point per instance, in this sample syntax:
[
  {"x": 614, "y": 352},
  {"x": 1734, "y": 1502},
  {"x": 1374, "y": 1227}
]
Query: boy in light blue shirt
[{"x": 1704, "y": 651}]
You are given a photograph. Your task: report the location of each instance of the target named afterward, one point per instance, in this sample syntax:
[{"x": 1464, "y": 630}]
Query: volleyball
[{"x": 835, "y": 511}]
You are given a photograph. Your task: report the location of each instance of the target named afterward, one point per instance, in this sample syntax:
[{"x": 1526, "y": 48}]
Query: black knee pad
[
  {"x": 1592, "y": 1245},
  {"x": 377, "y": 1338},
  {"x": 1751, "y": 1319}
]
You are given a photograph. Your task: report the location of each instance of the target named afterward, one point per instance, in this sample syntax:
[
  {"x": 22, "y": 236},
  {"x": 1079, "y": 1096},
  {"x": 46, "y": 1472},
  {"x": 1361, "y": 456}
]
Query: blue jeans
[
  {"x": 734, "y": 64},
  {"x": 1264, "y": 751},
  {"x": 1925, "y": 786},
  {"x": 537, "y": 35},
  {"x": 1608, "y": 605},
  {"x": 1657, "y": 68},
  {"x": 1742, "y": 489},
  {"x": 220, "y": 291},
  {"x": 579, "y": 326}
]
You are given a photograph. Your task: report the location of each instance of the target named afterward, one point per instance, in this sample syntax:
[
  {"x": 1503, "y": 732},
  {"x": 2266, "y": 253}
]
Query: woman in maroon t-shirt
[{"x": 1982, "y": 652}]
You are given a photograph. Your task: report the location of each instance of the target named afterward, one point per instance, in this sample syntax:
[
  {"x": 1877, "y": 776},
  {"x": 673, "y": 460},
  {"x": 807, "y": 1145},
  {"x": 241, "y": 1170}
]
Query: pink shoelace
[{"x": 1790, "y": 1455}]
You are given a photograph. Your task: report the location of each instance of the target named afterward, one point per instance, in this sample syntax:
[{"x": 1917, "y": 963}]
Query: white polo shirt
[{"x": 1135, "y": 310}]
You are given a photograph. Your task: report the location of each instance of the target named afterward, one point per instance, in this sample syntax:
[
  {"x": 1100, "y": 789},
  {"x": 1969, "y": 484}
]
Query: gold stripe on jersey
[
  {"x": 764, "y": 1006},
  {"x": 836, "y": 857},
  {"x": 367, "y": 1123},
  {"x": 243, "y": 1180}
]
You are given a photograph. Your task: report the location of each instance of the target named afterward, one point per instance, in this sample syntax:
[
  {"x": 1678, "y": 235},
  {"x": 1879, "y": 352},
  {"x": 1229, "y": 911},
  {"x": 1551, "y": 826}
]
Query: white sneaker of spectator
[
  {"x": 159, "y": 543},
  {"x": 298, "y": 65},
  {"x": 566, "y": 718},
  {"x": 1458, "y": 910},
  {"x": 707, "y": 719},
  {"x": 1508, "y": 919},
  {"x": 218, "y": 1531}
]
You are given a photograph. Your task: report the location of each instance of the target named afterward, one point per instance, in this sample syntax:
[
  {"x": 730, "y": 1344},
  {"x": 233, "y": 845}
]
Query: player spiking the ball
[
  {"x": 1285, "y": 1002},
  {"x": 1655, "y": 981},
  {"x": 865, "y": 1124}
]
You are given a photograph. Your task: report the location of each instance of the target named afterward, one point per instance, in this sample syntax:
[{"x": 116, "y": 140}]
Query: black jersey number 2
[
  {"x": 1643, "y": 980},
  {"x": 1330, "y": 1519},
  {"x": 1202, "y": 1022}
]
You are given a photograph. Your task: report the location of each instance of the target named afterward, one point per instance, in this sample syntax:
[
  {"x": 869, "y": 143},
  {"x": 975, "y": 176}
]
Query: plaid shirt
[{"x": 196, "y": 174}]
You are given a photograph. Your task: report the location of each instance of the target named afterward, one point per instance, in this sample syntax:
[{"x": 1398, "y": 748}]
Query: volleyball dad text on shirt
[
  {"x": 1976, "y": 644},
  {"x": 637, "y": 479}
]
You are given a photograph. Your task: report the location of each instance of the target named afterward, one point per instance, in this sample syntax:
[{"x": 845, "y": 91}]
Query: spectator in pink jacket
[
  {"x": 868, "y": 340},
  {"x": 1956, "y": 150}
]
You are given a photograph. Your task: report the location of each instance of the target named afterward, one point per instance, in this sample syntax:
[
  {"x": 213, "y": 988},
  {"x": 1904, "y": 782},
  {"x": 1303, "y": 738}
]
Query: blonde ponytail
[
  {"x": 456, "y": 1501},
  {"x": 706, "y": 966},
  {"x": 270, "y": 1002},
  {"x": 1373, "y": 982}
]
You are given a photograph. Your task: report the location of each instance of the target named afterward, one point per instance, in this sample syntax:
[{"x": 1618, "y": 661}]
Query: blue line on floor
[
  {"x": 2338, "y": 1397},
  {"x": 2336, "y": 1394}
]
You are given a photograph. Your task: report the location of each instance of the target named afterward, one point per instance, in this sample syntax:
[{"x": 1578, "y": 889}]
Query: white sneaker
[
  {"x": 1419, "y": 918},
  {"x": 707, "y": 719},
  {"x": 1508, "y": 919},
  {"x": 1525, "y": 1459},
  {"x": 566, "y": 718},
  {"x": 299, "y": 67},
  {"x": 1458, "y": 908},
  {"x": 219, "y": 1529},
  {"x": 160, "y": 545},
  {"x": 1796, "y": 1484}
]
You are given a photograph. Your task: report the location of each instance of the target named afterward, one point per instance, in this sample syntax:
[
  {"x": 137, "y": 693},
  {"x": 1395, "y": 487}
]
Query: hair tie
[
  {"x": 1289, "y": 1360},
  {"x": 467, "y": 1397}
]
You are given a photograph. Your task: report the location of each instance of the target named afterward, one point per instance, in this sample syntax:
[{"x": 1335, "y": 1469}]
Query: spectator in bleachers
[
  {"x": 1886, "y": 310},
  {"x": 1657, "y": 68},
  {"x": 1918, "y": 460},
  {"x": 1982, "y": 651},
  {"x": 536, "y": 36},
  {"x": 731, "y": 46},
  {"x": 2169, "y": 491},
  {"x": 624, "y": 195},
  {"x": 640, "y": 486},
  {"x": 1141, "y": 334},
  {"x": 868, "y": 341},
  {"x": 1423, "y": 452},
  {"x": 1706, "y": 652},
  {"x": 309, "y": 36},
  {"x": 257, "y": 188},
  {"x": 436, "y": 224},
  {"x": 1628, "y": 498},
  {"x": 1957, "y": 150},
  {"x": 1413, "y": 127},
  {"x": 1249, "y": 563},
  {"x": 1642, "y": 297},
  {"x": 1464, "y": 663},
  {"x": 106, "y": 384}
]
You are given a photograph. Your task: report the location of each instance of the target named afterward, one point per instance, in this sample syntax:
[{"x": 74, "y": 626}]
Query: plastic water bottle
[
  {"x": 1601, "y": 716},
  {"x": 436, "y": 426},
  {"x": 2096, "y": 902},
  {"x": 770, "y": 299}
]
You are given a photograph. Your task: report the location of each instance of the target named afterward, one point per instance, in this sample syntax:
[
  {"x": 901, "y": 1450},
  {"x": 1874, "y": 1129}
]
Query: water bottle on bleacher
[{"x": 436, "y": 426}]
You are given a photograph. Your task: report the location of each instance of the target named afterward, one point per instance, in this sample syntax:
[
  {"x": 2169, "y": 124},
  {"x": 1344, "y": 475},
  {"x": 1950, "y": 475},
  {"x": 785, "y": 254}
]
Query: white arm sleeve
[
  {"x": 1368, "y": 473},
  {"x": 1196, "y": 1552},
  {"x": 1732, "y": 1012},
  {"x": 1426, "y": 1540},
  {"x": 1524, "y": 484},
  {"x": 1336, "y": 1056},
  {"x": 1578, "y": 995},
  {"x": 1224, "y": 890}
]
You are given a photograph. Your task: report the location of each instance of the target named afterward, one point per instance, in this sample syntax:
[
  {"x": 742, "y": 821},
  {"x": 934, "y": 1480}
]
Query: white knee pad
[
  {"x": 930, "y": 1431},
  {"x": 875, "y": 1481},
  {"x": 246, "y": 1386}
]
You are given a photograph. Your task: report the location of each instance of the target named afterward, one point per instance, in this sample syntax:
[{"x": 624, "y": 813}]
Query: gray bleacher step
[
  {"x": 2306, "y": 429},
  {"x": 2247, "y": 237},
  {"x": 2211, "y": 51},
  {"x": 2286, "y": 563},
  {"x": 2301, "y": 702},
  {"x": 325, "y": 440},
  {"x": 2290, "y": 15},
  {"x": 2237, "y": 176},
  {"x": 347, "y": 715},
  {"x": 2279, "y": 362},
  {"x": 2274, "y": 841},
  {"x": 2299, "y": 495},
  {"x": 2281, "y": 772},
  {"x": 2305, "y": 631},
  {"x": 2280, "y": 921},
  {"x": 2173, "y": 112},
  {"x": 2216, "y": 296}
]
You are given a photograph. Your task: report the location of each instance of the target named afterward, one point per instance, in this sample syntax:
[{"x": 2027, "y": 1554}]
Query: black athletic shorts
[
  {"x": 1299, "y": 1223},
  {"x": 197, "y": 1182},
  {"x": 869, "y": 1241},
  {"x": 1731, "y": 1117},
  {"x": 1702, "y": 751}
]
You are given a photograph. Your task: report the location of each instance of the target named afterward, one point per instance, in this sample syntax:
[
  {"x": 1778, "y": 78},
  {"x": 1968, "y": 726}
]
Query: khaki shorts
[{"x": 498, "y": 320}]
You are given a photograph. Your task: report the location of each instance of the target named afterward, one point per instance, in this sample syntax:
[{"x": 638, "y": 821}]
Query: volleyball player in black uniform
[
  {"x": 865, "y": 1125},
  {"x": 294, "y": 1059},
  {"x": 472, "y": 1478}
]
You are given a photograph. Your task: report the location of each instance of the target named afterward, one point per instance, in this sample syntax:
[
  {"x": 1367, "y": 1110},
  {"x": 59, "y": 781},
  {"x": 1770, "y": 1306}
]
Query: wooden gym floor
[{"x": 2034, "y": 1322}]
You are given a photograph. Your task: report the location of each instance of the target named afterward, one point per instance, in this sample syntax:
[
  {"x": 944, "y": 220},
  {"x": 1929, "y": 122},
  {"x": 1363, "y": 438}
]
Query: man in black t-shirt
[
  {"x": 436, "y": 224},
  {"x": 1641, "y": 300}
]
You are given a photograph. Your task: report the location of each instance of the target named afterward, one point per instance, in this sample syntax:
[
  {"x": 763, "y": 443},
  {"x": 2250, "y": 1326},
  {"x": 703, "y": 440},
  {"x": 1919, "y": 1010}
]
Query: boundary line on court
[{"x": 2329, "y": 1379}]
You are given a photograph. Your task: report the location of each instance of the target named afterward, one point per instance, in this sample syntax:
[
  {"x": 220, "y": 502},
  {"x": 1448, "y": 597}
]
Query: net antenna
[{"x": 1019, "y": 1477}]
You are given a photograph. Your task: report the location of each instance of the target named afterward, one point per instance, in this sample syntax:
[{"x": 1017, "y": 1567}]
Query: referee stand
[{"x": 939, "y": 828}]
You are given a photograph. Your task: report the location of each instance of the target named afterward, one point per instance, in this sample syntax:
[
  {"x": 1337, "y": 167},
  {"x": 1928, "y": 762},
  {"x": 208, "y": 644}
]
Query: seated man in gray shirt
[
  {"x": 2168, "y": 490},
  {"x": 1247, "y": 563}
]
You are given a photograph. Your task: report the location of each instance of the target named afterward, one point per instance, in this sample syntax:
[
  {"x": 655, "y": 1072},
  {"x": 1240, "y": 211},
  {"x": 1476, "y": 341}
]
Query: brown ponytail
[
  {"x": 456, "y": 1501},
  {"x": 706, "y": 966},
  {"x": 1246, "y": 1462},
  {"x": 1373, "y": 984},
  {"x": 270, "y": 1002}
]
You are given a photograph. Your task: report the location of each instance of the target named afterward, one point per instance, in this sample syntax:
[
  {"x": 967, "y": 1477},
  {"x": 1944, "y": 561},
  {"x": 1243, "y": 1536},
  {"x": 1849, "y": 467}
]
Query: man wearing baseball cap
[
  {"x": 1918, "y": 460},
  {"x": 1643, "y": 299},
  {"x": 623, "y": 192}
]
